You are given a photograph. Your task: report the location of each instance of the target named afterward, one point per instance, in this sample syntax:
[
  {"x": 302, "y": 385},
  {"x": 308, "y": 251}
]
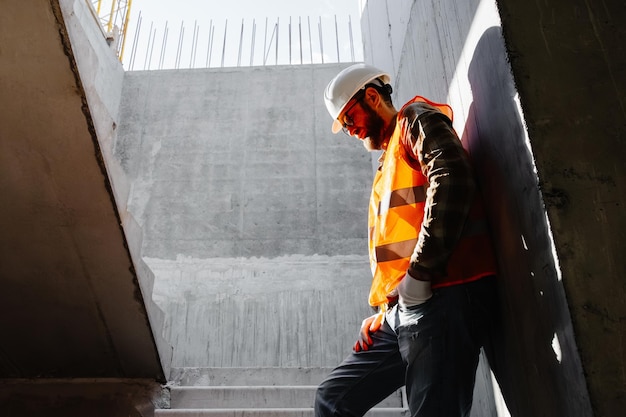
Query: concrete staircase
[{"x": 263, "y": 392}]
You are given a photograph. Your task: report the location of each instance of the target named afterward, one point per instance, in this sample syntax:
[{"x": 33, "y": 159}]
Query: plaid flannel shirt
[{"x": 432, "y": 146}]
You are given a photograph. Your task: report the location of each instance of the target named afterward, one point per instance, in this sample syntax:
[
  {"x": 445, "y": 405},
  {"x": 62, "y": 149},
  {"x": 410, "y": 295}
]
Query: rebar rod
[
  {"x": 145, "y": 61},
  {"x": 212, "y": 39},
  {"x": 300, "y": 35},
  {"x": 310, "y": 41},
  {"x": 337, "y": 38},
  {"x": 194, "y": 44},
  {"x": 133, "y": 50},
  {"x": 267, "y": 53},
  {"x": 252, "y": 42},
  {"x": 265, "y": 43},
  {"x": 181, "y": 38},
  {"x": 319, "y": 27},
  {"x": 152, "y": 48},
  {"x": 224, "y": 44},
  {"x": 351, "y": 40},
  {"x": 240, "y": 45},
  {"x": 277, "y": 29},
  {"x": 163, "y": 45},
  {"x": 208, "y": 46}
]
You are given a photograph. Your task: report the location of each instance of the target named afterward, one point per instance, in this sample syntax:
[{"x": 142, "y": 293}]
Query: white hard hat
[{"x": 346, "y": 84}]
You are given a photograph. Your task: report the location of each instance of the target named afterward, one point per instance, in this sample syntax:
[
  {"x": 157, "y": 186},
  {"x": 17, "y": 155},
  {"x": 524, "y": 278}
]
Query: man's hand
[{"x": 368, "y": 326}]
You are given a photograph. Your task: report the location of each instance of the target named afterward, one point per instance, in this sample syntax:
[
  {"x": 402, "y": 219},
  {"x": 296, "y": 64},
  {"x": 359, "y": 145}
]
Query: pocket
[{"x": 410, "y": 316}]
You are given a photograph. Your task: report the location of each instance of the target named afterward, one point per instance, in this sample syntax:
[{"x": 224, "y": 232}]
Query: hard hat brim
[{"x": 337, "y": 126}]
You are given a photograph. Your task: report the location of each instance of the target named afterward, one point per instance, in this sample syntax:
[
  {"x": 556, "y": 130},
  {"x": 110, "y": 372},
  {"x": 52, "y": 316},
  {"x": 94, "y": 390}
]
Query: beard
[{"x": 374, "y": 128}]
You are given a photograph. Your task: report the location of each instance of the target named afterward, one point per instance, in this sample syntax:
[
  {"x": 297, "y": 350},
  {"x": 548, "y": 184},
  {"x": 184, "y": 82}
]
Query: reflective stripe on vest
[
  {"x": 396, "y": 213},
  {"x": 405, "y": 248}
]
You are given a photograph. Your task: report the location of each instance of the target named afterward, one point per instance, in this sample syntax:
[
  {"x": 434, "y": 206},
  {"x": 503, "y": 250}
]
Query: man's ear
[{"x": 372, "y": 97}]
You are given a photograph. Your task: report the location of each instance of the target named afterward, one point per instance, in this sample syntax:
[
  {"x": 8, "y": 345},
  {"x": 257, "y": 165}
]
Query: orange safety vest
[{"x": 396, "y": 213}]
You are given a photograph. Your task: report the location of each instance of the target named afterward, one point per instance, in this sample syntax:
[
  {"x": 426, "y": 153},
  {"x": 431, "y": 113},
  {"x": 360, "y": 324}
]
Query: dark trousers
[{"x": 432, "y": 348}]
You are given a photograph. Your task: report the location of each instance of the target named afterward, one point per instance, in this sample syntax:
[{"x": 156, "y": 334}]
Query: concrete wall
[
  {"x": 455, "y": 52},
  {"x": 102, "y": 77},
  {"x": 76, "y": 338},
  {"x": 569, "y": 70},
  {"x": 254, "y": 213}
]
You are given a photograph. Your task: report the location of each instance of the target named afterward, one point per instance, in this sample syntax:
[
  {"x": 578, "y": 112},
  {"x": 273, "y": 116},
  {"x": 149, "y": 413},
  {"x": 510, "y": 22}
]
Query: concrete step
[
  {"x": 253, "y": 397},
  {"x": 254, "y": 392},
  {"x": 270, "y": 412},
  {"x": 248, "y": 376}
]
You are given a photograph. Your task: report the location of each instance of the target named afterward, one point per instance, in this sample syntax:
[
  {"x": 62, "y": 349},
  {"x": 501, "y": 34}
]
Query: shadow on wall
[{"x": 535, "y": 360}]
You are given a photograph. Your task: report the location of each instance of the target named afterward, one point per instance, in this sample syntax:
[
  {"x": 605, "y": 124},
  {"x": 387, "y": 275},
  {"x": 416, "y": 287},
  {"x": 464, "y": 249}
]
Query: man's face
[
  {"x": 365, "y": 123},
  {"x": 374, "y": 129}
]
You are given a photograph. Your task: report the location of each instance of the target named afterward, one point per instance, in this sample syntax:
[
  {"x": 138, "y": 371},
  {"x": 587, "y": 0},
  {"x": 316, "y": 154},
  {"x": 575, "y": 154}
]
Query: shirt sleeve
[{"x": 433, "y": 146}]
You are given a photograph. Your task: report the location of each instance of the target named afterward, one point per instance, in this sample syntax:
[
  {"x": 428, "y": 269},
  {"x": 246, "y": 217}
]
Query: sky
[{"x": 200, "y": 33}]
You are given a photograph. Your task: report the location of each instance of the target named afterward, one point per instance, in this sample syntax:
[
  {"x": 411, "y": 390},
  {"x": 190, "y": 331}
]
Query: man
[{"x": 431, "y": 257}]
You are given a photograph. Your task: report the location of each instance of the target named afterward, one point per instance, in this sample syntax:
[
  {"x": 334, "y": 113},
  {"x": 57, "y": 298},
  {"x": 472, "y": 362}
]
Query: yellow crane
[{"x": 117, "y": 19}]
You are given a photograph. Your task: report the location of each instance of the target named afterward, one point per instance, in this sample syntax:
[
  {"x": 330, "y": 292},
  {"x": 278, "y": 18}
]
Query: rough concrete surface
[
  {"x": 570, "y": 73},
  {"x": 75, "y": 336},
  {"x": 102, "y": 78},
  {"x": 70, "y": 305},
  {"x": 254, "y": 214},
  {"x": 290, "y": 311}
]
